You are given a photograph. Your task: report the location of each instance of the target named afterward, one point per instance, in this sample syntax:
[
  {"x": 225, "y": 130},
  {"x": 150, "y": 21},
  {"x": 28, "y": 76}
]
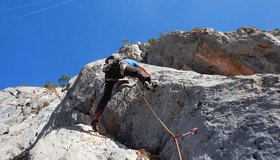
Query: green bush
[
  {"x": 152, "y": 41},
  {"x": 125, "y": 40},
  {"x": 50, "y": 85},
  {"x": 64, "y": 80}
]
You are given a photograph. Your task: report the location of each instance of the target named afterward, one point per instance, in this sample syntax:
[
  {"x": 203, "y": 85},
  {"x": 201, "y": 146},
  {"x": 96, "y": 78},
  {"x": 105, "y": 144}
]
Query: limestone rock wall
[
  {"x": 237, "y": 117},
  {"x": 25, "y": 133},
  {"x": 236, "y": 112},
  {"x": 244, "y": 52},
  {"x": 24, "y": 112}
]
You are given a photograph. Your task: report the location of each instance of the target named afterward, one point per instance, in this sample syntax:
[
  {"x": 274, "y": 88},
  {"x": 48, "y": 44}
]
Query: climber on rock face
[{"x": 115, "y": 69}]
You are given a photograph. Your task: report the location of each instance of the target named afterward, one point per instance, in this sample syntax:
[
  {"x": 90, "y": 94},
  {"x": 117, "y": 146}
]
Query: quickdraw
[{"x": 191, "y": 132}]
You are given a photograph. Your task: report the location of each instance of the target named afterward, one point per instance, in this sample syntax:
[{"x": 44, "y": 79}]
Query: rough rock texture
[
  {"x": 244, "y": 52},
  {"x": 133, "y": 50},
  {"x": 79, "y": 143},
  {"x": 24, "y": 111},
  {"x": 238, "y": 117}
]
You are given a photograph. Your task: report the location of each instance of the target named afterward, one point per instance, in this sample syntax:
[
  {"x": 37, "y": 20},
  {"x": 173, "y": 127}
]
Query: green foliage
[
  {"x": 125, "y": 40},
  {"x": 63, "y": 80},
  {"x": 152, "y": 41},
  {"x": 26, "y": 85},
  {"x": 50, "y": 85}
]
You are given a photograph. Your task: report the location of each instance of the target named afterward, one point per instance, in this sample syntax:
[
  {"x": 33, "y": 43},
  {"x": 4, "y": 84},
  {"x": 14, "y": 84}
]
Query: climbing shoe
[
  {"x": 94, "y": 124},
  {"x": 151, "y": 86},
  {"x": 148, "y": 86},
  {"x": 154, "y": 85}
]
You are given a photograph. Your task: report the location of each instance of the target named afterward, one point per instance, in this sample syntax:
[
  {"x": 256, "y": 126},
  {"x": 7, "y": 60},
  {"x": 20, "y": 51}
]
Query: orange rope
[
  {"x": 193, "y": 131},
  {"x": 166, "y": 128}
]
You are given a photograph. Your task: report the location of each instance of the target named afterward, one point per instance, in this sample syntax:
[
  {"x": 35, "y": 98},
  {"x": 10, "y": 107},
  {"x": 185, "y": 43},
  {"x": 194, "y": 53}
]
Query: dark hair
[{"x": 109, "y": 58}]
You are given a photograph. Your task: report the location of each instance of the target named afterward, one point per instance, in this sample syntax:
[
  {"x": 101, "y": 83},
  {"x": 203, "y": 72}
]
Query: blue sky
[{"x": 42, "y": 39}]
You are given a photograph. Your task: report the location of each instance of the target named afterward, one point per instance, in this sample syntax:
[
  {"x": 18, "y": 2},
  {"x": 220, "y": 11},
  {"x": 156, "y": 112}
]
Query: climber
[{"x": 115, "y": 69}]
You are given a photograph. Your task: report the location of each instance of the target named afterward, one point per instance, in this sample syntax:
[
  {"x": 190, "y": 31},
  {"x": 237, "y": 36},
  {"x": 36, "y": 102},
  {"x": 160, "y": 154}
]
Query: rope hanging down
[{"x": 193, "y": 131}]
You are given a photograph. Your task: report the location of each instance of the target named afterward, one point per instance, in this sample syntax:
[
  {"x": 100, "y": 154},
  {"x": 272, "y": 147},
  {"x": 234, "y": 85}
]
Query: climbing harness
[{"x": 193, "y": 131}]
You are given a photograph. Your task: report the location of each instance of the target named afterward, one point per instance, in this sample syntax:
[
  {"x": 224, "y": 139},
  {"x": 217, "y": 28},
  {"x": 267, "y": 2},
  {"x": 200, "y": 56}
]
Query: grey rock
[
  {"x": 79, "y": 143},
  {"x": 23, "y": 117},
  {"x": 244, "y": 52},
  {"x": 25, "y": 135},
  {"x": 71, "y": 82},
  {"x": 237, "y": 117},
  {"x": 4, "y": 129},
  {"x": 133, "y": 51}
]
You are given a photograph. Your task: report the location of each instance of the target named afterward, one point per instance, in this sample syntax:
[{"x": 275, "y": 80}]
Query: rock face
[
  {"x": 244, "y": 52},
  {"x": 79, "y": 143},
  {"x": 237, "y": 116},
  {"x": 24, "y": 112}
]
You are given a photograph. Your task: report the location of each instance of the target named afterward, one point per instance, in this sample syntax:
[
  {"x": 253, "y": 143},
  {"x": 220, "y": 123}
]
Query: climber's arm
[{"x": 141, "y": 68}]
